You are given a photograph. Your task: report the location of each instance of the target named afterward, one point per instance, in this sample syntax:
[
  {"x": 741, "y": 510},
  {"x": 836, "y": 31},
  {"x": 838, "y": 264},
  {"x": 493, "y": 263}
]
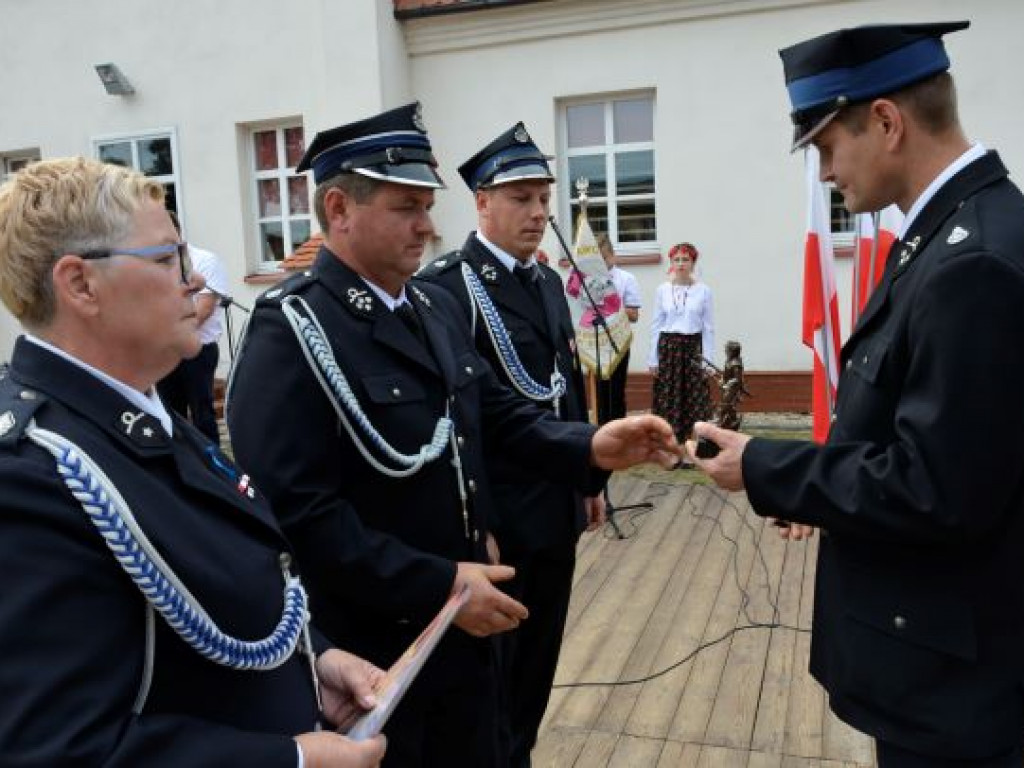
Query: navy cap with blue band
[{"x": 850, "y": 66}]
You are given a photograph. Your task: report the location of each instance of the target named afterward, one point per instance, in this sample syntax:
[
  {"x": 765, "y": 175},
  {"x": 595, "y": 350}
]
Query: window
[
  {"x": 842, "y": 221},
  {"x": 610, "y": 143},
  {"x": 12, "y": 162},
  {"x": 154, "y": 154},
  {"x": 281, "y": 197}
]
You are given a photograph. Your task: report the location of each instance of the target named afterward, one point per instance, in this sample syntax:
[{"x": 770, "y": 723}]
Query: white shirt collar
[
  {"x": 389, "y": 301},
  {"x": 508, "y": 260},
  {"x": 149, "y": 402},
  {"x": 974, "y": 153}
]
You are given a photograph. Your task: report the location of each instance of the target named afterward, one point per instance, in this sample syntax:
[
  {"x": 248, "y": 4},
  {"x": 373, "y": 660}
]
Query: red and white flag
[
  {"x": 821, "y": 307},
  {"x": 876, "y": 232}
]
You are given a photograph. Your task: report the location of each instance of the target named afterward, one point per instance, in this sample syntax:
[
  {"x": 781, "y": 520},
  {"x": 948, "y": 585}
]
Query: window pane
[
  {"x": 634, "y": 172},
  {"x": 264, "y": 145},
  {"x": 294, "y": 146},
  {"x": 637, "y": 222},
  {"x": 300, "y": 232},
  {"x": 117, "y": 154},
  {"x": 298, "y": 194},
  {"x": 271, "y": 242},
  {"x": 586, "y": 125},
  {"x": 269, "y": 191},
  {"x": 842, "y": 219},
  {"x": 597, "y": 215},
  {"x": 634, "y": 120},
  {"x": 591, "y": 168},
  {"x": 155, "y": 157}
]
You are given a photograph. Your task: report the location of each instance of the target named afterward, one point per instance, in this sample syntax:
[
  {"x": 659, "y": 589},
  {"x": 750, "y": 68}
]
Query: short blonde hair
[{"x": 56, "y": 207}]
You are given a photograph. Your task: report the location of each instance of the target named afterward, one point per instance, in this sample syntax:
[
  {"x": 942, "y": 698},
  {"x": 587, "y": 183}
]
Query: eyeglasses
[{"x": 152, "y": 252}]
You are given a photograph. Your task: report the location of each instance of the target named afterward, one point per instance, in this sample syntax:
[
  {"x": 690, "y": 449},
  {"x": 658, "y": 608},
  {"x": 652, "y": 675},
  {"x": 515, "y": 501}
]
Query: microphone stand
[
  {"x": 226, "y": 302},
  {"x": 598, "y": 323}
]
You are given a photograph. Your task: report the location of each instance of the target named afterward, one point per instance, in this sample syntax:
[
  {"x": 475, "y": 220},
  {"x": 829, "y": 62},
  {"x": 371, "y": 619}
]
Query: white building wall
[
  {"x": 725, "y": 180},
  {"x": 209, "y": 70}
]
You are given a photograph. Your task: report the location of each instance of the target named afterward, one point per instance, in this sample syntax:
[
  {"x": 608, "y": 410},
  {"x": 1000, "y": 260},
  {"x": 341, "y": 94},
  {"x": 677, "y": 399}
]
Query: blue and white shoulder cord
[
  {"x": 507, "y": 355},
  {"x": 321, "y": 360},
  {"x": 162, "y": 588}
]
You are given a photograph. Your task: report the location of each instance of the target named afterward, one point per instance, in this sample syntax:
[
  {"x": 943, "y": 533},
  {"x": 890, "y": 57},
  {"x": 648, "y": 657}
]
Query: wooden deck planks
[{"x": 643, "y": 603}]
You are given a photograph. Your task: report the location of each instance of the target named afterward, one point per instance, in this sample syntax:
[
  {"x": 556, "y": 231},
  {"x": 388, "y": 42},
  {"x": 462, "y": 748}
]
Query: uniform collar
[
  {"x": 974, "y": 153},
  {"x": 81, "y": 391},
  {"x": 148, "y": 403},
  {"x": 507, "y": 260}
]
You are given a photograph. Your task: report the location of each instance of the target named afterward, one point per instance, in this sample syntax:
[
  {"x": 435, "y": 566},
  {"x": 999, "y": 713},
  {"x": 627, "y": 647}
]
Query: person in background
[
  {"x": 682, "y": 337},
  {"x": 538, "y": 523},
  {"x": 918, "y": 626},
  {"x": 151, "y": 615},
  {"x": 611, "y": 392},
  {"x": 360, "y": 405},
  {"x": 188, "y": 389}
]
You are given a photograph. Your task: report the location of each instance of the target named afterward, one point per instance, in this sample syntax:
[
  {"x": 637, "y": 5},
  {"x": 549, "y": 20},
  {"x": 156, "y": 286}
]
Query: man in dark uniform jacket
[
  {"x": 102, "y": 663},
  {"x": 539, "y": 523},
  {"x": 918, "y": 631},
  {"x": 362, "y": 409}
]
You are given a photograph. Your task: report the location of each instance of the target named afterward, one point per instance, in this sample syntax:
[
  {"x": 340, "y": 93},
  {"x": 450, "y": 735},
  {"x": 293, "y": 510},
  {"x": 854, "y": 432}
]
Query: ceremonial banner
[
  {"x": 876, "y": 232},
  {"x": 821, "y": 308},
  {"x": 592, "y": 277}
]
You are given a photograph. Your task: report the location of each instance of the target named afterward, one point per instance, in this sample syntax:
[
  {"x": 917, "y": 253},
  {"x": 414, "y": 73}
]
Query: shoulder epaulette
[
  {"x": 17, "y": 406},
  {"x": 442, "y": 264},
  {"x": 291, "y": 285}
]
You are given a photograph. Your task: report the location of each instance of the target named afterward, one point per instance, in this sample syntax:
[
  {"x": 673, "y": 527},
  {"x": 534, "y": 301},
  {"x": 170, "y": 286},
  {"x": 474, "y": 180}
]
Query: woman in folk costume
[{"x": 682, "y": 336}]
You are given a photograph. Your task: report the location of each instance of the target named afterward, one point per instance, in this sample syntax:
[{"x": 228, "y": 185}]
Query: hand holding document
[{"x": 398, "y": 679}]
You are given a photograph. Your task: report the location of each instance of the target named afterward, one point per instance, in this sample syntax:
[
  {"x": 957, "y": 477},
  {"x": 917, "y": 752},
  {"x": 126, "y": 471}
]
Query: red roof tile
[{"x": 304, "y": 254}]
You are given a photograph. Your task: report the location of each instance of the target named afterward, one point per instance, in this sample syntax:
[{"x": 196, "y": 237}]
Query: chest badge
[
  {"x": 958, "y": 235},
  {"x": 6, "y": 422},
  {"x": 489, "y": 273}
]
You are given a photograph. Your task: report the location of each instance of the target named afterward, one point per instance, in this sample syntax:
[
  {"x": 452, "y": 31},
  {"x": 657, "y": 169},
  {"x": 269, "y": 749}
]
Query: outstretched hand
[
  {"x": 488, "y": 610},
  {"x": 623, "y": 443}
]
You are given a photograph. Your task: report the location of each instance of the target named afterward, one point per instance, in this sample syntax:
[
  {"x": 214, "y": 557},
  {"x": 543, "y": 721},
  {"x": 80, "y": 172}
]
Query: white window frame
[
  {"x": 10, "y": 159},
  {"x": 134, "y": 137},
  {"x": 841, "y": 238},
  {"x": 282, "y": 173},
  {"x": 612, "y": 198}
]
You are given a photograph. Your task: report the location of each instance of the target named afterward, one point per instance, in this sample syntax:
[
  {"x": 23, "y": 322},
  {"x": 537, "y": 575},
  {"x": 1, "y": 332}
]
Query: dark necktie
[
  {"x": 527, "y": 277},
  {"x": 408, "y": 315}
]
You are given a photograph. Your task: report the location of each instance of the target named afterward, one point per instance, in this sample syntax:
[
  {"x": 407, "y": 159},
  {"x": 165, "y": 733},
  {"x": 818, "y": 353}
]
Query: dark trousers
[
  {"x": 450, "y": 716},
  {"x": 188, "y": 389},
  {"x": 543, "y": 583},
  {"x": 891, "y": 756},
  {"x": 611, "y": 393}
]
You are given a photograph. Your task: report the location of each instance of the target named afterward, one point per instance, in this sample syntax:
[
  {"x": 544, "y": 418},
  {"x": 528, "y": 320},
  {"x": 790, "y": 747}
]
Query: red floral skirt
[{"x": 681, "y": 392}]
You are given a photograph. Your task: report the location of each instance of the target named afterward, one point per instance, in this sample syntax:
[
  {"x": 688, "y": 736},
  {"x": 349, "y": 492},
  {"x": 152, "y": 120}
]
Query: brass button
[
  {"x": 469, "y": 370},
  {"x": 476, "y": 534},
  {"x": 396, "y": 392},
  {"x": 865, "y": 360},
  {"x": 848, "y": 364},
  {"x": 471, "y": 485},
  {"x": 899, "y": 622}
]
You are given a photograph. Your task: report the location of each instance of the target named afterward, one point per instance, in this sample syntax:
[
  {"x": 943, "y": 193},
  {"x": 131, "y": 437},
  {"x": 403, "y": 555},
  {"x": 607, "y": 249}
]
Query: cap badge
[
  {"x": 521, "y": 135},
  {"x": 417, "y": 119},
  {"x": 424, "y": 299},
  {"x": 489, "y": 273},
  {"x": 958, "y": 235},
  {"x": 360, "y": 299},
  {"x": 394, "y": 155},
  {"x": 6, "y": 423}
]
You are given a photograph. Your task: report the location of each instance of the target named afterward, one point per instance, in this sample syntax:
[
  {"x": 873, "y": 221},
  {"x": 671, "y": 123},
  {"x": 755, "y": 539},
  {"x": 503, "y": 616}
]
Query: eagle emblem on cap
[
  {"x": 417, "y": 118},
  {"x": 521, "y": 135}
]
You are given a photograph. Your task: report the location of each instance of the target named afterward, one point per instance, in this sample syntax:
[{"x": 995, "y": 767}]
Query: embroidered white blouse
[{"x": 683, "y": 309}]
